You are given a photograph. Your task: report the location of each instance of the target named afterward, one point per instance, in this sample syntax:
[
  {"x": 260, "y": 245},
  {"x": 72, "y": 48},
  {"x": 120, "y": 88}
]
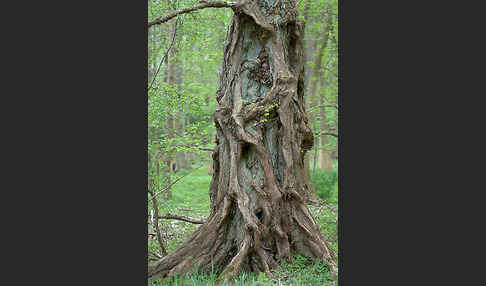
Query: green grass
[
  {"x": 191, "y": 192},
  {"x": 303, "y": 272},
  {"x": 190, "y": 197}
]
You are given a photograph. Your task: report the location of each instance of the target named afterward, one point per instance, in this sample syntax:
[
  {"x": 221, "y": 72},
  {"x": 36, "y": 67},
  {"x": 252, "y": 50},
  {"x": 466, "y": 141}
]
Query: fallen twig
[{"x": 183, "y": 218}]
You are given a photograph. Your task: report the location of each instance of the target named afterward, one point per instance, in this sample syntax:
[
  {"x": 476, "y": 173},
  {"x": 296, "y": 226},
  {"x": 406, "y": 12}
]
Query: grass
[
  {"x": 191, "y": 192},
  {"x": 190, "y": 197}
]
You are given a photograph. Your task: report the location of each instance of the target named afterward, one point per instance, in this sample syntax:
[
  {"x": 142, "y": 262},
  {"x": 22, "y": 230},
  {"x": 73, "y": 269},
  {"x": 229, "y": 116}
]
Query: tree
[
  {"x": 258, "y": 215},
  {"x": 317, "y": 76}
]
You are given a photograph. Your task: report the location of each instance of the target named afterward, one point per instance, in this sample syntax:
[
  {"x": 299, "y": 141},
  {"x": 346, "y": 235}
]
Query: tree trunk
[
  {"x": 325, "y": 159},
  {"x": 258, "y": 216},
  {"x": 315, "y": 79},
  {"x": 172, "y": 118},
  {"x": 181, "y": 157}
]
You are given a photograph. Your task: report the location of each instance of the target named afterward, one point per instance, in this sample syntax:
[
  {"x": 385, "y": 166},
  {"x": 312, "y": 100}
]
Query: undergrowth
[
  {"x": 325, "y": 183},
  {"x": 302, "y": 272}
]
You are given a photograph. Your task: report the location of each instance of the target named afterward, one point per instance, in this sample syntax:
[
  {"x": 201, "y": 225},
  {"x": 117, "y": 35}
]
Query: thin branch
[
  {"x": 326, "y": 133},
  {"x": 166, "y": 188},
  {"x": 199, "y": 148},
  {"x": 183, "y": 218},
  {"x": 157, "y": 229},
  {"x": 202, "y": 5},
  {"x": 206, "y": 149},
  {"x": 155, "y": 254},
  {"x": 331, "y": 72},
  {"x": 331, "y": 105},
  {"x": 170, "y": 185},
  {"x": 164, "y": 58},
  {"x": 323, "y": 204},
  {"x": 331, "y": 134}
]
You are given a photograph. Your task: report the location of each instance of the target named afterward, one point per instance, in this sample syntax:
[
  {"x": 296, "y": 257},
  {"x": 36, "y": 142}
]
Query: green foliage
[
  {"x": 189, "y": 102},
  {"x": 303, "y": 272},
  {"x": 189, "y": 197},
  {"x": 325, "y": 182}
]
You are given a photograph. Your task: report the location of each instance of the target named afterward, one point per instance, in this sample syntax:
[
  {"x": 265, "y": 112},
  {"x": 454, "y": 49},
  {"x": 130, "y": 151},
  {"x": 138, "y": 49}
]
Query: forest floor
[{"x": 190, "y": 198}]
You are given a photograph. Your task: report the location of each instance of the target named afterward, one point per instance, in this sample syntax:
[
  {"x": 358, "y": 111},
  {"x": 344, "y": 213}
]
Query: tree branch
[
  {"x": 216, "y": 4},
  {"x": 157, "y": 256},
  {"x": 166, "y": 188},
  {"x": 157, "y": 229},
  {"x": 331, "y": 134},
  {"x": 165, "y": 56},
  {"x": 199, "y": 148},
  {"x": 183, "y": 218},
  {"x": 330, "y": 105},
  {"x": 327, "y": 133}
]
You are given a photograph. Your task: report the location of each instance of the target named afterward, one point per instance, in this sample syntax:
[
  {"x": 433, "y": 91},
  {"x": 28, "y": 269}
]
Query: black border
[{"x": 77, "y": 163}]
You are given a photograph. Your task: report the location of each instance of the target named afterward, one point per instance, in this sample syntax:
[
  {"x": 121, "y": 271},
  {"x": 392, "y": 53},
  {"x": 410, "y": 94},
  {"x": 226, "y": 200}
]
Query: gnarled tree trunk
[{"x": 258, "y": 216}]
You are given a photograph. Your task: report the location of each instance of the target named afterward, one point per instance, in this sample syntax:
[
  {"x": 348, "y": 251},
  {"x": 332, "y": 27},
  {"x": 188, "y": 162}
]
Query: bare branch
[
  {"x": 331, "y": 134},
  {"x": 331, "y": 105},
  {"x": 166, "y": 188},
  {"x": 216, "y": 4},
  {"x": 327, "y": 133},
  {"x": 157, "y": 256},
  {"x": 157, "y": 229},
  {"x": 165, "y": 56},
  {"x": 206, "y": 149},
  {"x": 199, "y": 148},
  {"x": 183, "y": 218}
]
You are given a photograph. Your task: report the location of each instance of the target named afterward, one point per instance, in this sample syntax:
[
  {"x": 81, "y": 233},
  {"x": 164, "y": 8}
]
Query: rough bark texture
[{"x": 258, "y": 216}]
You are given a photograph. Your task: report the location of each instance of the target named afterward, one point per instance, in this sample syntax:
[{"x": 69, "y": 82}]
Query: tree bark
[{"x": 258, "y": 215}]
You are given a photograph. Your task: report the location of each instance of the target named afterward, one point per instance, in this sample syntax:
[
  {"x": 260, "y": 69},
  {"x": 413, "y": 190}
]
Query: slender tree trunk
[
  {"x": 325, "y": 159},
  {"x": 150, "y": 49},
  {"x": 172, "y": 117},
  {"x": 158, "y": 232},
  {"x": 258, "y": 215},
  {"x": 181, "y": 157},
  {"x": 316, "y": 78}
]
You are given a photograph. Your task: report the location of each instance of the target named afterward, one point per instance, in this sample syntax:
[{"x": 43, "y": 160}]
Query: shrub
[{"x": 325, "y": 183}]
